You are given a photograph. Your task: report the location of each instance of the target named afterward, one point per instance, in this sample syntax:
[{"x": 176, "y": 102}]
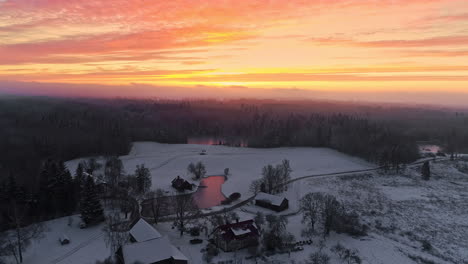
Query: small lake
[
  {"x": 232, "y": 142},
  {"x": 209, "y": 192}
]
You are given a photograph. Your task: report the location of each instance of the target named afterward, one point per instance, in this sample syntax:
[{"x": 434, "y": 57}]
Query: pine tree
[
  {"x": 90, "y": 207},
  {"x": 79, "y": 180},
  {"x": 426, "y": 171},
  {"x": 45, "y": 192}
]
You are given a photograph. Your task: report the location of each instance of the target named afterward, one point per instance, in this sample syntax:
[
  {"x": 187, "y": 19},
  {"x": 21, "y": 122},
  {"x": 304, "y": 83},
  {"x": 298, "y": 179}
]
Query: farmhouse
[
  {"x": 236, "y": 236},
  {"x": 181, "y": 185},
  {"x": 273, "y": 202},
  {"x": 155, "y": 251},
  {"x": 149, "y": 247},
  {"x": 142, "y": 231}
]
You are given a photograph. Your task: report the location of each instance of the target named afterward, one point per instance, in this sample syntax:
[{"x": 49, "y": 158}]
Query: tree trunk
[{"x": 20, "y": 250}]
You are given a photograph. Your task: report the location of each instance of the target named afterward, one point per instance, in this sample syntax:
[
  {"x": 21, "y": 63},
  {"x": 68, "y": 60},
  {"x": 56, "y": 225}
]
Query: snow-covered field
[
  {"x": 400, "y": 210},
  {"x": 166, "y": 161}
]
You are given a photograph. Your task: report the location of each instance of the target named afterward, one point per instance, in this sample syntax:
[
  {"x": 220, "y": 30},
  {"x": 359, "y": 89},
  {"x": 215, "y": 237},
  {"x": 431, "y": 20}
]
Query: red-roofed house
[{"x": 236, "y": 236}]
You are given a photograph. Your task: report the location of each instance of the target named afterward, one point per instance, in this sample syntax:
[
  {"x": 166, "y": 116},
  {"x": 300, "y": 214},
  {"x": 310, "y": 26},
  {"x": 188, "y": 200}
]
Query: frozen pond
[{"x": 209, "y": 192}]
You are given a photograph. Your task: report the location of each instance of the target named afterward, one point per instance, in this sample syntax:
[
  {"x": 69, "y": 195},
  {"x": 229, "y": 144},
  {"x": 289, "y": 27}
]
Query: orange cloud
[
  {"x": 337, "y": 44},
  {"x": 396, "y": 43}
]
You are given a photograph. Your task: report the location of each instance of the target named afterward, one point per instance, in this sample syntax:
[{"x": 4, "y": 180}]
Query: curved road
[{"x": 242, "y": 203}]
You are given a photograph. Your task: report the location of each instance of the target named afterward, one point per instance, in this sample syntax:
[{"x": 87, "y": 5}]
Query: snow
[
  {"x": 401, "y": 210},
  {"x": 142, "y": 231},
  {"x": 272, "y": 199},
  {"x": 240, "y": 231},
  {"x": 86, "y": 245},
  {"x": 166, "y": 161},
  {"x": 151, "y": 251}
]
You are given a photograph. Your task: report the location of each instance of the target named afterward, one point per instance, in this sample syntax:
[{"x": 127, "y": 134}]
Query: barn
[{"x": 272, "y": 202}]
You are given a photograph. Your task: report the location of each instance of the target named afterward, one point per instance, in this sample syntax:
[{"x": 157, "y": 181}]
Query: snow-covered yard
[{"x": 86, "y": 245}]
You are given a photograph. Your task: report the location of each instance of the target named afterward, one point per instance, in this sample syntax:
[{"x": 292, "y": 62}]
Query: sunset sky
[{"x": 366, "y": 49}]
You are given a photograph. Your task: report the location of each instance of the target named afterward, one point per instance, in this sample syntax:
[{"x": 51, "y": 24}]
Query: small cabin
[
  {"x": 236, "y": 236},
  {"x": 64, "y": 240},
  {"x": 272, "y": 202},
  {"x": 181, "y": 185}
]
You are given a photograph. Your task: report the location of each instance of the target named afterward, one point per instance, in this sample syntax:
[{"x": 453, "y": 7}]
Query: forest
[
  {"x": 34, "y": 129},
  {"x": 37, "y": 132}
]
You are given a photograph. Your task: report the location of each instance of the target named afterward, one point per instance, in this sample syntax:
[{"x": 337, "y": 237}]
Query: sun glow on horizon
[{"x": 360, "y": 46}]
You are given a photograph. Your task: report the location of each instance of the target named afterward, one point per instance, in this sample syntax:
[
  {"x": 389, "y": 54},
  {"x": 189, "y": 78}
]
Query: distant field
[{"x": 166, "y": 161}]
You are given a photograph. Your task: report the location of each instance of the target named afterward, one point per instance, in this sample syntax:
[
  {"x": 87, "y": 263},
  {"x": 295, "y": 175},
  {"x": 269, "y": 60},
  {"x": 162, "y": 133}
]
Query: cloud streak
[{"x": 260, "y": 43}]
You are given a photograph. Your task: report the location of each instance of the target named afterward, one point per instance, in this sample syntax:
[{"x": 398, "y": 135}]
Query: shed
[{"x": 272, "y": 202}]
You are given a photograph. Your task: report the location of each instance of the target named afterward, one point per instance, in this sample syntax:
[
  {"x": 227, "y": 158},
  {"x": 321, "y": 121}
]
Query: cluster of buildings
[
  {"x": 235, "y": 236},
  {"x": 148, "y": 246}
]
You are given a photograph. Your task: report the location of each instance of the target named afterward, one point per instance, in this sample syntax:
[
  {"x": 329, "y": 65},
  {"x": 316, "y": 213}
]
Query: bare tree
[
  {"x": 275, "y": 177},
  {"x": 311, "y": 207},
  {"x": 331, "y": 210},
  {"x": 158, "y": 203},
  {"x": 256, "y": 186},
  {"x": 275, "y": 235},
  {"x": 20, "y": 237},
  {"x": 285, "y": 174},
  {"x": 113, "y": 170},
  {"x": 14, "y": 242},
  {"x": 143, "y": 179},
  {"x": 115, "y": 230},
  {"x": 185, "y": 210},
  {"x": 318, "y": 258},
  {"x": 198, "y": 170}
]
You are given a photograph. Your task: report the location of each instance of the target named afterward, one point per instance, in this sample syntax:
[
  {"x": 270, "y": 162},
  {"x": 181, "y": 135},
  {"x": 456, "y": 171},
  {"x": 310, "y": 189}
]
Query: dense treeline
[
  {"x": 38, "y": 134},
  {"x": 34, "y": 129}
]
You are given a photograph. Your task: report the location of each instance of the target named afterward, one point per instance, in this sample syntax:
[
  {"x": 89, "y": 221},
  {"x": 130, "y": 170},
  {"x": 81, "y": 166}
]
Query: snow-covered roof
[
  {"x": 151, "y": 251},
  {"x": 142, "y": 231},
  {"x": 240, "y": 231},
  {"x": 272, "y": 199}
]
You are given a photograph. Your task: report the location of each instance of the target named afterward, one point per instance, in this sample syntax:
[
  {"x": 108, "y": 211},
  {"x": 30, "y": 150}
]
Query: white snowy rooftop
[
  {"x": 142, "y": 231},
  {"x": 272, "y": 199},
  {"x": 240, "y": 231},
  {"x": 151, "y": 251}
]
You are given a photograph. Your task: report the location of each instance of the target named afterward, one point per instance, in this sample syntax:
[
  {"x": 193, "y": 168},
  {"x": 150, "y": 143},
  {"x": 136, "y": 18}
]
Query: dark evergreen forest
[{"x": 38, "y": 134}]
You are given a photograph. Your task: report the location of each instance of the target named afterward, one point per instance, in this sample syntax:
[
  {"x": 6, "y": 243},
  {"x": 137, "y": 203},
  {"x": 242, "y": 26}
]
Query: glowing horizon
[{"x": 364, "y": 46}]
